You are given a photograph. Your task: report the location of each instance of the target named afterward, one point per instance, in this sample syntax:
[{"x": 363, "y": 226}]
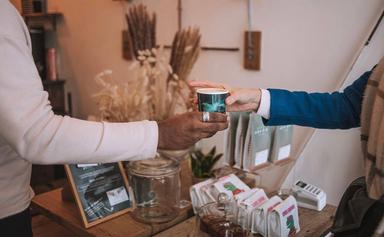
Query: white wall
[
  {"x": 307, "y": 45},
  {"x": 333, "y": 158}
]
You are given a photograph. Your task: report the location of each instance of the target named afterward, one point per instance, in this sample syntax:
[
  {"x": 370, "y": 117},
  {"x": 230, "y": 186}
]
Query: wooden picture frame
[{"x": 96, "y": 196}]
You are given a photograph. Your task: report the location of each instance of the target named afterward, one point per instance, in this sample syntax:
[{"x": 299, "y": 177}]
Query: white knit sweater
[{"x": 31, "y": 133}]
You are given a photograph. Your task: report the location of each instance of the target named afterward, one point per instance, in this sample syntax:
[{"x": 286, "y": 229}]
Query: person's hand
[
  {"x": 243, "y": 100},
  {"x": 238, "y": 100},
  {"x": 183, "y": 131}
]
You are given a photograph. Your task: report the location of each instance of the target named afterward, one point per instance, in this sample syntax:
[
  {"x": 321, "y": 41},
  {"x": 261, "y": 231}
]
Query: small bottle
[{"x": 51, "y": 64}]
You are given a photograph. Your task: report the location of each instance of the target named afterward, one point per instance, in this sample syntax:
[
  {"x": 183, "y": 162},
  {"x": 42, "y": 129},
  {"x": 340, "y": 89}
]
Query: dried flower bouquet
[{"x": 160, "y": 88}]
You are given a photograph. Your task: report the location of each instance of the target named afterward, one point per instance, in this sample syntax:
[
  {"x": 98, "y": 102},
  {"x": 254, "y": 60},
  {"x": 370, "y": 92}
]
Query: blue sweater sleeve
[{"x": 337, "y": 110}]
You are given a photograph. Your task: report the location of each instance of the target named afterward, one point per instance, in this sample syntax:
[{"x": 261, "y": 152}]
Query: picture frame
[{"x": 101, "y": 191}]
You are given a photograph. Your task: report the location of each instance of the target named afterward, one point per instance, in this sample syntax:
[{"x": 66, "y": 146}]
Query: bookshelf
[
  {"x": 47, "y": 20},
  {"x": 42, "y": 27}
]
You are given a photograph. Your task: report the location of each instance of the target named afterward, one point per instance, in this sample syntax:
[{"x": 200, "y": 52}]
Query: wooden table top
[
  {"x": 67, "y": 214},
  {"x": 51, "y": 204},
  {"x": 312, "y": 224}
]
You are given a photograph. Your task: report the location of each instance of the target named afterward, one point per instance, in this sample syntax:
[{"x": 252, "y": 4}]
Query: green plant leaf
[
  {"x": 217, "y": 157},
  {"x": 212, "y": 152},
  {"x": 199, "y": 154},
  {"x": 202, "y": 164}
]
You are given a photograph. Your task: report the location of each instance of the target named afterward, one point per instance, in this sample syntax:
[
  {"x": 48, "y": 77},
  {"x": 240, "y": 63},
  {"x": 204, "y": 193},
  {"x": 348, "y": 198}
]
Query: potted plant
[{"x": 202, "y": 164}]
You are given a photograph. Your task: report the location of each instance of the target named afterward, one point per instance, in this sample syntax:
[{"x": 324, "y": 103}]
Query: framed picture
[{"x": 101, "y": 191}]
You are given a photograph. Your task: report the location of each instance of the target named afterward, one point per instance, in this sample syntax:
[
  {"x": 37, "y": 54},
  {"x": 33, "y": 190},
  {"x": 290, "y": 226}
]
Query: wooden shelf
[
  {"x": 272, "y": 176},
  {"x": 43, "y": 176},
  {"x": 284, "y": 161},
  {"x": 40, "y": 14},
  {"x": 47, "y": 20},
  {"x": 260, "y": 167},
  {"x": 56, "y": 82},
  {"x": 207, "y": 48}
]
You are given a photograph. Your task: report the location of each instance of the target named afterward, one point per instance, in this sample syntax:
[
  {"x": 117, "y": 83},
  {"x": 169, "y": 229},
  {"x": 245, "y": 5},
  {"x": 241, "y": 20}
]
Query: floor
[{"x": 43, "y": 227}]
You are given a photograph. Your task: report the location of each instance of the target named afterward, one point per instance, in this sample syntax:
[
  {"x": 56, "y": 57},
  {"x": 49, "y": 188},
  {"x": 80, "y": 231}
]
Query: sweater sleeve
[
  {"x": 29, "y": 126},
  {"x": 337, "y": 110}
]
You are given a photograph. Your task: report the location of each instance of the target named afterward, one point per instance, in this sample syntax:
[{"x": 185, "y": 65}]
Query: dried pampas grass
[
  {"x": 150, "y": 96},
  {"x": 160, "y": 89},
  {"x": 184, "y": 54},
  {"x": 185, "y": 51},
  {"x": 142, "y": 28}
]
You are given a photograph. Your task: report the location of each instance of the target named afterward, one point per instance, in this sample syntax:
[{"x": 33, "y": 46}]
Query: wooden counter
[
  {"x": 66, "y": 214},
  {"x": 312, "y": 224},
  {"x": 50, "y": 204}
]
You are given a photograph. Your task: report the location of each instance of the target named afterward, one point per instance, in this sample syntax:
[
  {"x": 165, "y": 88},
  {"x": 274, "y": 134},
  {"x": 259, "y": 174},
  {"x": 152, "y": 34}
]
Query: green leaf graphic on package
[{"x": 291, "y": 225}]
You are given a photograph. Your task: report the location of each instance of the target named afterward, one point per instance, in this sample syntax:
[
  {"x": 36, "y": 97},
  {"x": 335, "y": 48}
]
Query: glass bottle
[{"x": 217, "y": 219}]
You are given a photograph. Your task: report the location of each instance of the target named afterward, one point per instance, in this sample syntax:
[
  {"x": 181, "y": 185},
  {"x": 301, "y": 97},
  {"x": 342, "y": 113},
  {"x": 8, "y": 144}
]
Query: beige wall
[{"x": 307, "y": 45}]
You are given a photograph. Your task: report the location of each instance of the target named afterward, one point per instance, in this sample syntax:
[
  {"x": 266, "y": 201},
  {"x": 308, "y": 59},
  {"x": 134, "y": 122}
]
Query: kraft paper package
[
  {"x": 246, "y": 207},
  {"x": 200, "y": 194},
  {"x": 241, "y": 133},
  {"x": 257, "y": 145},
  {"x": 284, "y": 219},
  {"x": 282, "y": 140},
  {"x": 260, "y": 216},
  {"x": 230, "y": 138}
]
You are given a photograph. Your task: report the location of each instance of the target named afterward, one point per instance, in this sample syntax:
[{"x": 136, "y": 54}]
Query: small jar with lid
[{"x": 156, "y": 187}]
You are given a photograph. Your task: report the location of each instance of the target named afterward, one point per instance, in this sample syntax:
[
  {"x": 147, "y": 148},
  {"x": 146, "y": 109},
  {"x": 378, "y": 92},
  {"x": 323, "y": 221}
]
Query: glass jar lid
[{"x": 157, "y": 167}]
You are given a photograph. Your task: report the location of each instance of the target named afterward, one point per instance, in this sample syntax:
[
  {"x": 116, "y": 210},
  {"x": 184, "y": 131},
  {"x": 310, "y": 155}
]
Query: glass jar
[
  {"x": 217, "y": 219},
  {"x": 156, "y": 188},
  {"x": 177, "y": 155}
]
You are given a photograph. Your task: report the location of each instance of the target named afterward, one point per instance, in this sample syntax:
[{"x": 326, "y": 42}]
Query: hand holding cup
[
  {"x": 240, "y": 99},
  {"x": 184, "y": 130}
]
